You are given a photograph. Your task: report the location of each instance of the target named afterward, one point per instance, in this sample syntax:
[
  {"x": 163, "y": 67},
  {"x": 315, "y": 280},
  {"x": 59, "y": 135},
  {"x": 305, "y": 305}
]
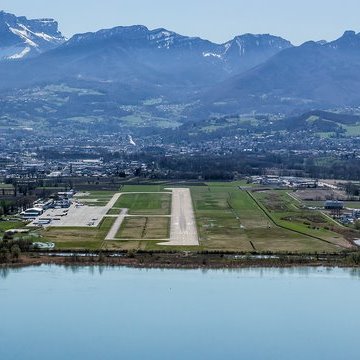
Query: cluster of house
[
  {"x": 349, "y": 217},
  {"x": 61, "y": 201}
]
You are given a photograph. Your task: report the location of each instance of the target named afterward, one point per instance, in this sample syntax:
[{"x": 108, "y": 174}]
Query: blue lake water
[{"x": 52, "y": 312}]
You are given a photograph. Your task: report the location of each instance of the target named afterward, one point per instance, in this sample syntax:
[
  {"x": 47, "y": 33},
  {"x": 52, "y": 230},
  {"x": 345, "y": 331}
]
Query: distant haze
[{"x": 218, "y": 21}]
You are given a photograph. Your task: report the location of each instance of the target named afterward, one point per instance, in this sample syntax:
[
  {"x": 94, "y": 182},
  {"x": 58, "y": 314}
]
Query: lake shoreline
[{"x": 186, "y": 260}]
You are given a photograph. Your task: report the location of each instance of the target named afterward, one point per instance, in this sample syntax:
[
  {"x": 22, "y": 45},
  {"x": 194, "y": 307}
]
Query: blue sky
[{"x": 219, "y": 21}]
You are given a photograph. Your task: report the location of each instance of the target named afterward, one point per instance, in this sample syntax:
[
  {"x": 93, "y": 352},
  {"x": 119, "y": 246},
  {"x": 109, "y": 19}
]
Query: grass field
[
  {"x": 145, "y": 204},
  {"x": 229, "y": 219},
  {"x": 96, "y": 198},
  {"x": 8, "y": 225},
  {"x": 114, "y": 211},
  {"x": 145, "y": 228},
  {"x": 347, "y": 204},
  {"x": 287, "y": 212},
  {"x": 142, "y": 188},
  {"x": 78, "y": 238}
]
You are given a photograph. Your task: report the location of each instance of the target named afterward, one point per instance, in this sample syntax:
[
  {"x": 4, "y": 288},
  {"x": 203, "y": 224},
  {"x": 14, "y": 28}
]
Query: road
[{"x": 116, "y": 226}]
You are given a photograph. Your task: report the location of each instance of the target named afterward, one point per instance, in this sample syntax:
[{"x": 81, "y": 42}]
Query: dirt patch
[
  {"x": 315, "y": 218},
  {"x": 320, "y": 195}
]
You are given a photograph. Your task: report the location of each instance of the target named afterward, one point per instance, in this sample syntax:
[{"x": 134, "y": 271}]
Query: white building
[{"x": 31, "y": 213}]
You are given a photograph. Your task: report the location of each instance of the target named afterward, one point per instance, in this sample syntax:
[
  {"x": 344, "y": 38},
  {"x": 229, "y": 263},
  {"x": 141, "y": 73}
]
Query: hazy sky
[{"x": 216, "y": 20}]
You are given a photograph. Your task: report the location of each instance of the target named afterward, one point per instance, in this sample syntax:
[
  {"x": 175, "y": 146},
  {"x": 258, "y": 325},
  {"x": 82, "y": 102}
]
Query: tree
[
  {"x": 357, "y": 225},
  {"x": 5, "y": 255},
  {"x": 15, "y": 251}
]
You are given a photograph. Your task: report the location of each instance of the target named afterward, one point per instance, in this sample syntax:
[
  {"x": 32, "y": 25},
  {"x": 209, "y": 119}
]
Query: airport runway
[{"x": 183, "y": 230}]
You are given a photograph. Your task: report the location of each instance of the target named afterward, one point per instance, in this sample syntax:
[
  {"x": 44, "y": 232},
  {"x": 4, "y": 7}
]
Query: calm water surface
[{"x": 52, "y": 312}]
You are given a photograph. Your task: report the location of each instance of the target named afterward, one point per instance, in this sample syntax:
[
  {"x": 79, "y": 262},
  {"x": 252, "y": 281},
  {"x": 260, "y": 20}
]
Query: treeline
[
  {"x": 228, "y": 166},
  {"x": 12, "y": 205},
  {"x": 344, "y": 169},
  {"x": 219, "y": 167},
  {"x": 10, "y": 250}
]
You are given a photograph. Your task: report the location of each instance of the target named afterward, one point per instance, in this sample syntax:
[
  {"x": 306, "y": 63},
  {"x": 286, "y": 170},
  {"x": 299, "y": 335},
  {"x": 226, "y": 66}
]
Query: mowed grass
[
  {"x": 142, "y": 188},
  {"x": 8, "y": 225},
  {"x": 218, "y": 226},
  {"x": 145, "y": 245},
  {"x": 144, "y": 228},
  {"x": 229, "y": 219},
  {"x": 101, "y": 195},
  {"x": 78, "y": 238},
  {"x": 287, "y": 212},
  {"x": 97, "y": 198},
  {"x": 114, "y": 211},
  {"x": 145, "y": 204},
  {"x": 320, "y": 204}
]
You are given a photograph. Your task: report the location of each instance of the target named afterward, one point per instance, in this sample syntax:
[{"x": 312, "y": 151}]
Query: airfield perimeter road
[{"x": 116, "y": 226}]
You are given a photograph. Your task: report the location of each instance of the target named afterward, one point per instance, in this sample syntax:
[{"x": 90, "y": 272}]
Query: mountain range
[
  {"x": 312, "y": 75},
  {"x": 130, "y": 65}
]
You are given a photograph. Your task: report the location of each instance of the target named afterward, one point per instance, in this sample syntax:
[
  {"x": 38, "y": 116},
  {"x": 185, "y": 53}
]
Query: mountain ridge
[
  {"x": 159, "y": 60},
  {"x": 311, "y": 75},
  {"x": 130, "y": 64}
]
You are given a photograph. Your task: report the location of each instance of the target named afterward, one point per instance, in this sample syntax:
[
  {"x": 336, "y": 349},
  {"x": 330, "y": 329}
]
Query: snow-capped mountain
[
  {"x": 138, "y": 36},
  {"x": 133, "y": 63},
  {"x": 312, "y": 75},
  {"x": 138, "y": 61},
  {"x": 20, "y": 37}
]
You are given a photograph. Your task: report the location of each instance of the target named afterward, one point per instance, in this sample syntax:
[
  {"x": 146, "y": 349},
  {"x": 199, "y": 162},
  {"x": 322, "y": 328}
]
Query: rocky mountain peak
[{"x": 21, "y": 37}]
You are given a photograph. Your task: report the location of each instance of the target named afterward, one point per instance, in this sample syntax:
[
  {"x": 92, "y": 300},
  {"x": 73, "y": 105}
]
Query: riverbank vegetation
[{"x": 186, "y": 260}]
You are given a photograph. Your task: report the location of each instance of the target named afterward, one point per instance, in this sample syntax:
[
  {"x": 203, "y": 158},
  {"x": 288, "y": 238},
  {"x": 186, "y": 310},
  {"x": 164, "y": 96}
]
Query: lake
[{"x": 53, "y": 312}]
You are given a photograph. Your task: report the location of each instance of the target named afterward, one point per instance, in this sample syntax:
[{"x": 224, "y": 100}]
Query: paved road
[
  {"x": 183, "y": 230},
  {"x": 113, "y": 201},
  {"x": 116, "y": 226}
]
